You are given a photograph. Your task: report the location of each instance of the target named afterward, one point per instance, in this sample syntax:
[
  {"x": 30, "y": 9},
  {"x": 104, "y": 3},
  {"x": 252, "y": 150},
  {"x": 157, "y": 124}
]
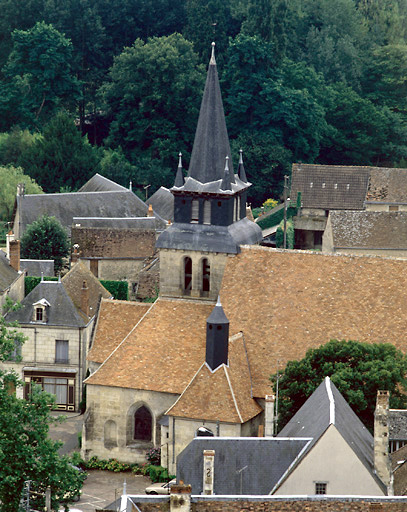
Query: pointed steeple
[
  {"x": 179, "y": 178},
  {"x": 240, "y": 170},
  {"x": 211, "y": 144},
  {"x": 226, "y": 181},
  {"x": 217, "y": 337}
]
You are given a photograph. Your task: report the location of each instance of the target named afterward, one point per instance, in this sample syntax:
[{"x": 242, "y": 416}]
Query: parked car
[{"x": 161, "y": 487}]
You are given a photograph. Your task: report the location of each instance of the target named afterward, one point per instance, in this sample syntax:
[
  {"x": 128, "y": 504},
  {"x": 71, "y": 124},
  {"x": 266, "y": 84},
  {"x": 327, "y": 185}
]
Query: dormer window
[{"x": 40, "y": 311}]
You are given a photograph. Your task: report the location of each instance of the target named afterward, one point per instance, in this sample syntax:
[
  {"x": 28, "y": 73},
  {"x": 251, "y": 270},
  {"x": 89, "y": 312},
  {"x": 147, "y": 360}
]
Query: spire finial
[
  {"x": 180, "y": 159},
  {"x": 240, "y": 170},
  {"x": 226, "y": 182},
  {"x": 218, "y": 303},
  {"x": 241, "y": 156},
  {"x": 213, "y": 61},
  {"x": 179, "y": 178},
  {"x": 226, "y": 163}
]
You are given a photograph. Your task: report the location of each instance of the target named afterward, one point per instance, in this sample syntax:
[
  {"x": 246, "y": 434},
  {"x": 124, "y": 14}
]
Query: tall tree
[
  {"x": 61, "y": 158},
  {"x": 10, "y": 177},
  {"x": 39, "y": 72},
  {"x": 358, "y": 370},
  {"x": 153, "y": 99}
]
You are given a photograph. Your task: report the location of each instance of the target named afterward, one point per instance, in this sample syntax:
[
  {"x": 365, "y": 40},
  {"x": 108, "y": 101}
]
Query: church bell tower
[{"x": 210, "y": 220}]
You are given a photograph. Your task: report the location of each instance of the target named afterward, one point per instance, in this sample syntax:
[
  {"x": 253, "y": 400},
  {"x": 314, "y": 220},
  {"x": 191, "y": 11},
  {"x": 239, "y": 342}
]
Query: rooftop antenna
[{"x": 146, "y": 189}]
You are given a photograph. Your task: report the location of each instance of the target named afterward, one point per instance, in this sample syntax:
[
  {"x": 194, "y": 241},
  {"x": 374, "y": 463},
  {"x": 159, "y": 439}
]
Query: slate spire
[
  {"x": 179, "y": 178},
  {"x": 217, "y": 337},
  {"x": 226, "y": 180},
  {"x": 240, "y": 170},
  {"x": 211, "y": 144}
]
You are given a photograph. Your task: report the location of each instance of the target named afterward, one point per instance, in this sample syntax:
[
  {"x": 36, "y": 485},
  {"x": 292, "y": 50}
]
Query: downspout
[
  {"x": 173, "y": 440},
  {"x": 79, "y": 366},
  {"x": 35, "y": 345}
]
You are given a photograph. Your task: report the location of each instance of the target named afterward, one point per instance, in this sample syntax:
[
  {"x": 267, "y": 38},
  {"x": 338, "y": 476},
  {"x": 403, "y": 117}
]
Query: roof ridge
[
  {"x": 331, "y": 401},
  {"x": 233, "y": 394},
  {"x": 186, "y": 388},
  {"x": 123, "y": 340}
]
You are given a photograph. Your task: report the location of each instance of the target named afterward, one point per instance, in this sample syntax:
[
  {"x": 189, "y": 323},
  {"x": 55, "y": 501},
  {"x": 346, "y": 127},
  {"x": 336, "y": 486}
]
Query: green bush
[
  {"x": 119, "y": 289},
  {"x": 30, "y": 282},
  {"x": 290, "y": 234},
  {"x": 277, "y": 217}
]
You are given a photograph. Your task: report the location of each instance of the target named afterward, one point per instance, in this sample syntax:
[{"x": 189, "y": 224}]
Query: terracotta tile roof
[
  {"x": 163, "y": 353},
  {"x": 116, "y": 319},
  {"x": 332, "y": 187},
  {"x": 368, "y": 229},
  {"x": 73, "y": 282},
  {"x": 292, "y": 301},
  {"x": 224, "y": 394}
]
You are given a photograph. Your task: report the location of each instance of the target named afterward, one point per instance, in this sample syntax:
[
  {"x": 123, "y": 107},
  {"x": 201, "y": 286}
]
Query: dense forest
[{"x": 114, "y": 86}]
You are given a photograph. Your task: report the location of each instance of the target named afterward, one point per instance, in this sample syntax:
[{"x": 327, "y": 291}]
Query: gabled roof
[
  {"x": 73, "y": 282},
  {"x": 170, "y": 337},
  {"x": 61, "y": 312},
  {"x": 7, "y": 273},
  {"x": 38, "y": 267},
  {"x": 331, "y": 187},
  {"x": 162, "y": 202},
  {"x": 220, "y": 395},
  {"x": 369, "y": 229},
  {"x": 120, "y": 314},
  {"x": 99, "y": 183},
  {"x": 78, "y": 204},
  {"x": 242, "y": 465}
]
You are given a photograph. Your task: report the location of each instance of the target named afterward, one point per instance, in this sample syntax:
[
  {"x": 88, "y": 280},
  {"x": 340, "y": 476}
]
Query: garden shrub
[{"x": 119, "y": 289}]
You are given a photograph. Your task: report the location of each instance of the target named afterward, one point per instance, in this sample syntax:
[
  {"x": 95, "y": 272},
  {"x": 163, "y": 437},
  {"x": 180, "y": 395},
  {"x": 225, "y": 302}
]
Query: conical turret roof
[
  {"x": 179, "y": 178},
  {"x": 211, "y": 144}
]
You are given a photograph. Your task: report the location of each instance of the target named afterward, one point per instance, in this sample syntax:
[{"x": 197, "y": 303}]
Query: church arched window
[
  {"x": 206, "y": 277},
  {"x": 143, "y": 424},
  {"x": 187, "y": 275}
]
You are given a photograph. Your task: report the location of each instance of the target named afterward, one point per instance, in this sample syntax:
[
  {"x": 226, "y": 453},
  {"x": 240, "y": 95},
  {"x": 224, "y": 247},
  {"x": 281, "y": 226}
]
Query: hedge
[
  {"x": 30, "y": 282},
  {"x": 277, "y": 217},
  {"x": 119, "y": 289}
]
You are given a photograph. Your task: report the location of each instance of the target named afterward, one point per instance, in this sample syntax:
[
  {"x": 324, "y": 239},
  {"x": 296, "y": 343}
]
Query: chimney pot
[{"x": 85, "y": 298}]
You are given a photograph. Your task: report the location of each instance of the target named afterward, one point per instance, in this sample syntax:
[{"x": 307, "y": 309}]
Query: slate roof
[
  {"x": 369, "y": 229},
  {"x": 152, "y": 355},
  {"x": 123, "y": 315},
  {"x": 387, "y": 185},
  {"x": 265, "y": 459},
  {"x": 162, "y": 202},
  {"x": 223, "y": 394},
  {"x": 78, "y": 204},
  {"x": 397, "y": 424},
  {"x": 38, "y": 267},
  {"x": 145, "y": 223},
  {"x": 62, "y": 311},
  {"x": 7, "y": 273},
  {"x": 73, "y": 282},
  {"x": 99, "y": 183},
  {"x": 331, "y": 187},
  {"x": 325, "y": 407}
]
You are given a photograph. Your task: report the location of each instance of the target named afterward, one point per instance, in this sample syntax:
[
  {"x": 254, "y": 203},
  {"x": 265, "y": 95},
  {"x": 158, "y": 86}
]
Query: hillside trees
[
  {"x": 358, "y": 370},
  {"x": 10, "y": 177}
]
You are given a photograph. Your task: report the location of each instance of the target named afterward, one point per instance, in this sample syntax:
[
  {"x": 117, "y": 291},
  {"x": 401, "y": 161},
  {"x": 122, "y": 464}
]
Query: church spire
[
  {"x": 179, "y": 178},
  {"x": 226, "y": 181},
  {"x": 240, "y": 170},
  {"x": 211, "y": 144}
]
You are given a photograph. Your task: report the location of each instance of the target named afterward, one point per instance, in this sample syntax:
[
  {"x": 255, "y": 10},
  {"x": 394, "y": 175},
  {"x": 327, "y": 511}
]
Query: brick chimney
[
  {"x": 381, "y": 438},
  {"x": 180, "y": 498},
  {"x": 269, "y": 416},
  {"x": 150, "y": 212},
  {"x": 85, "y": 298},
  {"x": 14, "y": 248},
  {"x": 75, "y": 254},
  {"x": 208, "y": 471}
]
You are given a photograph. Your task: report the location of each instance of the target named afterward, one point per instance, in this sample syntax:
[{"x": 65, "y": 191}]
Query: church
[{"x": 230, "y": 314}]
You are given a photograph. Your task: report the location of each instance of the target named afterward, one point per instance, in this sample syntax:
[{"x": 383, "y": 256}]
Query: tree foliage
[
  {"x": 358, "y": 370},
  {"x": 10, "y": 177},
  {"x": 45, "y": 239}
]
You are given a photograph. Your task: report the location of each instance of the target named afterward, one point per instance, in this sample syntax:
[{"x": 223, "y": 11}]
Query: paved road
[{"x": 101, "y": 488}]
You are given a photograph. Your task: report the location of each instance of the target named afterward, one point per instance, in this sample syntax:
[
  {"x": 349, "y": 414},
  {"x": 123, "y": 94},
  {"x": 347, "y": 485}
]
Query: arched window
[
  {"x": 187, "y": 275},
  {"x": 143, "y": 424},
  {"x": 195, "y": 211},
  {"x": 207, "y": 212},
  {"x": 206, "y": 277}
]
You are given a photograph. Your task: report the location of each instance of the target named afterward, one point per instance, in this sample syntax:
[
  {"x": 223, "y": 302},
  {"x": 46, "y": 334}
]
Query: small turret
[
  {"x": 217, "y": 337},
  {"x": 179, "y": 178},
  {"x": 240, "y": 170},
  {"x": 226, "y": 181}
]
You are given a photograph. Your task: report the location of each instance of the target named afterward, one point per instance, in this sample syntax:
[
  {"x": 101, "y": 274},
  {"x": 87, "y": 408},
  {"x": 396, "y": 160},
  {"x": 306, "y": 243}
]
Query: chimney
[
  {"x": 269, "y": 416},
  {"x": 14, "y": 248},
  {"x": 217, "y": 337},
  {"x": 208, "y": 471},
  {"x": 9, "y": 237},
  {"x": 180, "y": 498},
  {"x": 150, "y": 212},
  {"x": 381, "y": 438},
  {"x": 85, "y": 298},
  {"x": 75, "y": 254}
]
